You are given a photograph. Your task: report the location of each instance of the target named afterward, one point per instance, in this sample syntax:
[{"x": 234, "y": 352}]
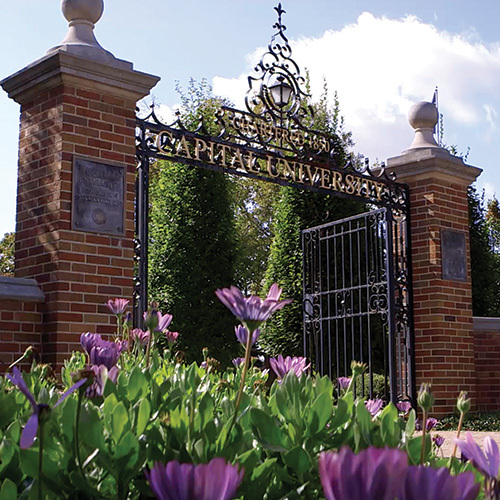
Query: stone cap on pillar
[
  {"x": 80, "y": 60},
  {"x": 82, "y": 15},
  {"x": 425, "y": 157}
]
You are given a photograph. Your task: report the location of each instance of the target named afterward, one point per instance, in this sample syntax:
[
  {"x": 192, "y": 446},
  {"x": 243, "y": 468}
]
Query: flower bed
[{"x": 132, "y": 423}]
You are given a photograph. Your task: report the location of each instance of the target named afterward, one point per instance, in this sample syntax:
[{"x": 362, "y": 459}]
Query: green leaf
[
  {"x": 297, "y": 459},
  {"x": 116, "y": 417},
  {"x": 67, "y": 412},
  {"x": 205, "y": 410},
  {"x": 7, "y": 452},
  {"x": 8, "y": 490},
  {"x": 264, "y": 469},
  {"x": 29, "y": 462},
  {"x": 414, "y": 447},
  {"x": 364, "y": 425},
  {"x": 341, "y": 415},
  {"x": 320, "y": 413},
  {"x": 410, "y": 424},
  {"x": 127, "y": 448},
  {"x": 9, "y": 408},
  {"x": 267, "y": 430},
  {"x": 143, "y": 416},
  {"x": 91, "y": 432},
  {"x": 137, "y": 385}
]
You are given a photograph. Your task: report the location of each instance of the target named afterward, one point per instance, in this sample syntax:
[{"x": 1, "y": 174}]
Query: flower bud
[
  {"x": 127, "y": 321},
  {"x": 463, "y": 403},
  {"x": 151, "y": 317},
  {"x": 358, "y": 368},
  {"x": 425, "y": 398}
]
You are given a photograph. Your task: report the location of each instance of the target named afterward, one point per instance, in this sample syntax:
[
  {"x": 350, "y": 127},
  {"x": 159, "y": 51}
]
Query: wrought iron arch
[{"x": 272, "y": 140}]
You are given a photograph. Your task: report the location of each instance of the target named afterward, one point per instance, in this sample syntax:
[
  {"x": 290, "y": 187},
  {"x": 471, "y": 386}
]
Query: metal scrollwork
[{"x": 276, "y": 92}]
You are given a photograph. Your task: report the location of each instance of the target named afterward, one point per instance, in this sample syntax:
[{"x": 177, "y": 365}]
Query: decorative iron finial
[
  {"x": 279, "y": 25},
  {"x": 276, "y": 93}
]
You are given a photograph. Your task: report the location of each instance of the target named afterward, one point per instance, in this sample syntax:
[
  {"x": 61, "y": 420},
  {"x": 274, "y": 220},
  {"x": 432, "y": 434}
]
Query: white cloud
[
  {"x": 381, "y": 66},
  {"x": 491, "y": 115}
]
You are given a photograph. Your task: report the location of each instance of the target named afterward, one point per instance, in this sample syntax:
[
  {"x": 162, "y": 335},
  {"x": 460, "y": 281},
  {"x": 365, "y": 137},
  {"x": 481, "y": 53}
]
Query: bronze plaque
[
  {"x": 98, "y": 197},
  {"x": 453, "y": 256}
]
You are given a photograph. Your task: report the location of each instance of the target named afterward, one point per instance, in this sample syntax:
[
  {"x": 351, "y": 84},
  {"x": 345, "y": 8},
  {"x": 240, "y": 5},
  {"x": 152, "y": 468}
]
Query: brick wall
[
  {"x": 487, "y": 360},
  {"x": 21, "y": 317},
  {"x": 442, "y": 308},
  {"x": 77, "y": 271}
]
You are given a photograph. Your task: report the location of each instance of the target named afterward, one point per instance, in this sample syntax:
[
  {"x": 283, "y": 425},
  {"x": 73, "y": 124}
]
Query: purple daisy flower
[
  {"x": 157, "y": 321},
  {"x": 89, "y": 340},
  {"x": 403, "y": 406},
  {"x": 343, "y": 382},
  {"x": 281, "y": 366},
  {"x": 105, "y": 353},
  {"x": 438, "y": 440},
  {"x": 237, "y": 361},
  {"x": 427, "y": 483},
  {"x": 39, "y": 410},
  {"x": 374, "y": 406},
  {"x": 487, "y": 462},
  {"x": 242, "y": 335},
  {"x": 140, "y": 336},
  {"x": 373, "y": 474},
  {"x": 171, "y": 337},
  {"x": 430, "y": 423},
  {"x": 101, "y": 374},
  {"x": 216, "y": 480},
  {"x": 117, "y": 306},
  {"x": 252, "y": 311}
]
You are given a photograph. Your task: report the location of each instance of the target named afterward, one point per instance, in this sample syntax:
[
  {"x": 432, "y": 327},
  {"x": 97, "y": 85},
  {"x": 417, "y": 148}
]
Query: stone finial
[
  {"x": 423, "y": 117},
  {"x": 82, "y": 15}
]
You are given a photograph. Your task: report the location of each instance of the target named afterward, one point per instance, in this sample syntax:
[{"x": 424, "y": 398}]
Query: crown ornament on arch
[{"x": 277, "y": 92}]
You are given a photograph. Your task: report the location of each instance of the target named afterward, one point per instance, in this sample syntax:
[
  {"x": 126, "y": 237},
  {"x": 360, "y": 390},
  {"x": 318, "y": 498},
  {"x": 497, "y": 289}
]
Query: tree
[
  {"x": 254, "y": 204},
  {"x": 483, "y": 239},
  {"x": 192, "y": 244},
  {"x": 7, "y": 254},
  {"x": 485, "y": 261},
  {"x": 297, "y": 210}
]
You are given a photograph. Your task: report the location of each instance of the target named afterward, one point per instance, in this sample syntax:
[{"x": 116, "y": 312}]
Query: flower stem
[
  {"x": 148, "y": 348},
  {"x": 77, "y": 437},
  {"x": 40, "y": 458},
  {"x": 424, "y": 428},
  {"x": 243, "y": 375},
  {"x": 460, "y": 423}
]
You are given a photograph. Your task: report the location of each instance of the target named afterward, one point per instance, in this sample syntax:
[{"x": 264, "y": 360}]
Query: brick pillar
[
  {"x": 77, "y": 102},
  {"x": 442, "y": 293}
]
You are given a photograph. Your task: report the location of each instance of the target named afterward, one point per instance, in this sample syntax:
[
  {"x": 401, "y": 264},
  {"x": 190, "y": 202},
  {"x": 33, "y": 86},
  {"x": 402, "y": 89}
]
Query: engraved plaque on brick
[
  {"x": 453, "y": 255},
  {"x": 98, "y": 197}
]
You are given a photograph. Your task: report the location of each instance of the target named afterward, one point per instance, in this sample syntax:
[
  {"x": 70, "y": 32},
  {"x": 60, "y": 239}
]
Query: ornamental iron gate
[
  {"x": 274, "y": 140},
  {"x": 357, "y": 301}
]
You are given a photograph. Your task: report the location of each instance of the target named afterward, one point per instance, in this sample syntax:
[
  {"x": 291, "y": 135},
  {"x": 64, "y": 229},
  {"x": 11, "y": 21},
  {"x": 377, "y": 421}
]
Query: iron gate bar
[
  {"x": 367, "y": 285},
  {"x": 389, "y": 252}
]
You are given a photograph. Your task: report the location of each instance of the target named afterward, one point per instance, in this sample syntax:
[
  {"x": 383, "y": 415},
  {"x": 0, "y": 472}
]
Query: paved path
[{"x": 449, "y": 436}]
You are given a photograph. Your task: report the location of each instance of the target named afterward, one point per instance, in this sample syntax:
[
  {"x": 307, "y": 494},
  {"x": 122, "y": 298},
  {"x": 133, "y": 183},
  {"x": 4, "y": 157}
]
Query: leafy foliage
[
  {"x": 192, "y": 249},
  {"x": 7, "y": 254},
  {"x": 254, "y": 204},
  {"x": 480, "y": 421},
  {"x": 172, "y": 411},
  {"x": 485, "y": 261}
]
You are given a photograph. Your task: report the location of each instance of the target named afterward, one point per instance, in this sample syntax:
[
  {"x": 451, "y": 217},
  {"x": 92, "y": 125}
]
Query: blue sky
[{"x": 381, "y": 56}]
